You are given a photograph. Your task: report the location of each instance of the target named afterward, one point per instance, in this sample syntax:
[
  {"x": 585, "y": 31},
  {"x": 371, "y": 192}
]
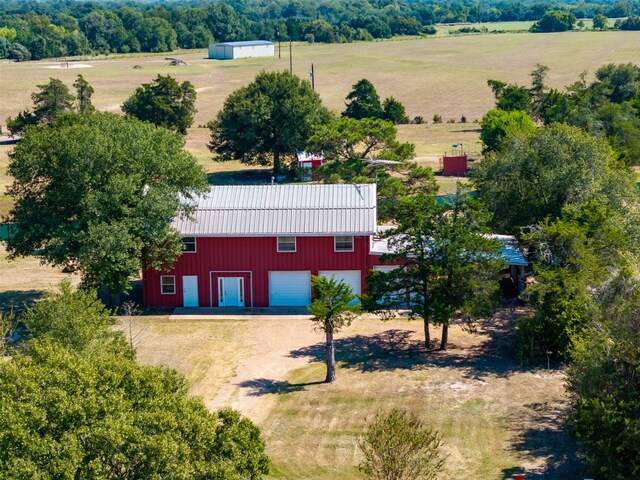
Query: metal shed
[{"x": 233, "y": 50}]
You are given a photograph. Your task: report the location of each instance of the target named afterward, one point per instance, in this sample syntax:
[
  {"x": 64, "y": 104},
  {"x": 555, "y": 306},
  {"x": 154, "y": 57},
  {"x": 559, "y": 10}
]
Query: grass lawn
[{"x": 497, "y": 418}]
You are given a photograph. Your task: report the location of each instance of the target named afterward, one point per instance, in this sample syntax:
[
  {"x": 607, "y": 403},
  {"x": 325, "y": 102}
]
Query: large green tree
[
  {"x": 74, "y": 403},
  {"x": 447, "y": 265},
  {"x": 332, "y": 310},
  {"x": 364, "y": 101},
  {"x": 348, "y": 138},
  {"x": 52, "y": 99},
  {"x": 536, "y": 174},
  {"x": 100, "y": 190},
  {"x": 572, "y": 256},
  {"x": 267, "y": 120},
  {"x": 164, "y": 102},
  {"x": 496, "y": 124},
  {"x": 603, "y": 379}
]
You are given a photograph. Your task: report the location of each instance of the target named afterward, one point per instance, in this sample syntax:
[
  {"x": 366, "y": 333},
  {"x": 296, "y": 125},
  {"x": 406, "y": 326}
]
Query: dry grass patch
[
  {"x": 474, "y": 394},
  {"x": 206, "y": 352},
  {"x": 24, "y": 280}
]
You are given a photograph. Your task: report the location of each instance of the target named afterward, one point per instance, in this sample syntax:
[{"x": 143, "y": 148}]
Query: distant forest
[{"x": 59, "y": 28}]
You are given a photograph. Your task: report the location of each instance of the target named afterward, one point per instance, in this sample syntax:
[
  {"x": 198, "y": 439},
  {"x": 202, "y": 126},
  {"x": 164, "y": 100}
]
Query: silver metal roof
[
  {"x": 266, "y": 210},
  {"x": 246, "y": 43}
]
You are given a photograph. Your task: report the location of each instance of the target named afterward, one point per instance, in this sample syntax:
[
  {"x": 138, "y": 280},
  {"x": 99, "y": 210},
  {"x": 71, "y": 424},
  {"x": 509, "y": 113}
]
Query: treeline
[
  {"x": 58, "y": 28},
  {"x": 557, "y": 173}
]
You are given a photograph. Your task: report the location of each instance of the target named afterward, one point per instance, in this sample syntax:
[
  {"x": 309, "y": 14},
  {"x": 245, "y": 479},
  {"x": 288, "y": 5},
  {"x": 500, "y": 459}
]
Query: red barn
[{"x": 258, "y": 246}]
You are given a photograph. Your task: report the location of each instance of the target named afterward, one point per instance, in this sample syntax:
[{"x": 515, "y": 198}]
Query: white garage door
[
  {"x": 289, "y": 289},
  {"x": 350, "y": 277}
]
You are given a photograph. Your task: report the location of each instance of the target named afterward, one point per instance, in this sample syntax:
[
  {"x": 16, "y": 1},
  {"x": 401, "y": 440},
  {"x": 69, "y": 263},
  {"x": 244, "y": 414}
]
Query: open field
[
  {"x": 497, "y": 419},
  {"x": 443, "y": 74}
]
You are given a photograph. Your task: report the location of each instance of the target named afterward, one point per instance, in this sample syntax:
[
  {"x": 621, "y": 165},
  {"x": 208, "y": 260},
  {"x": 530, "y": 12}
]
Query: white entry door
[
  {"x": 231, "y": 292},
  {"x": 190, "y": 290}
]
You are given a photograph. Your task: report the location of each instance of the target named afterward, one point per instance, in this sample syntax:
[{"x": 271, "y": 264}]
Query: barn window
[
  {"x": 168, "y": 284},
  {"x": 189, "y": 244},
  {"x": 343, "y": 243},
  {"x": 286, "y": 244}
]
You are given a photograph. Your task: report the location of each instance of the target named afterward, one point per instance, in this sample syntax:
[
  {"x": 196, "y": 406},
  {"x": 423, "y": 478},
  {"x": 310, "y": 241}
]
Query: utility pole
[
  {"x": 290, "y": 58},
  {"x": 279, "y": 44},
  {"x": 313, "y": 78}
]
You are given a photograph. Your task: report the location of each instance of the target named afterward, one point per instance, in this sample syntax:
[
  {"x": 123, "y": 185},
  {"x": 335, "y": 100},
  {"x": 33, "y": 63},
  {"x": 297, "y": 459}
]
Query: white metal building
[{"x": 233, "y": 50}]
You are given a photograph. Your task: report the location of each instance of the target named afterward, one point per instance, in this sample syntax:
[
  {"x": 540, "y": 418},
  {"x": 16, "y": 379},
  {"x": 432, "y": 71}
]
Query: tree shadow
[
  {"x": 240, "y": 177},
  {"x": 548, "y": 439},
  {"x": 263, "y": 386},
  {"x": 18, "y": 300},
  {"x": 399, "y": 349}
]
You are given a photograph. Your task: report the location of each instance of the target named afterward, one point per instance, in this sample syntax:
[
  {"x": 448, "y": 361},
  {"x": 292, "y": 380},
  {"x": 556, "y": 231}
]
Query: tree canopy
[
  {"x": 52, "y": 99},
  {"x": 536, "y": 174},
  {"x": 267, "y": 120},
  {"x": 363, "y": 101},
  {"x": 555, "y": 21},
  {"x": 496, "y": 124},
  {"x": 86, "y": 409},
  {"x": 57, "y": 28},
  {"x": 447, "y": 266},
  {"x": 165, "y": 103},
  {"x": 100, "y": 190}
]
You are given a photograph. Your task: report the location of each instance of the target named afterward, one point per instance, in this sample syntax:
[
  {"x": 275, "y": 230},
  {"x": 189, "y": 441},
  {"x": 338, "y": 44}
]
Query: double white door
[{"x": 231, "y": 292}]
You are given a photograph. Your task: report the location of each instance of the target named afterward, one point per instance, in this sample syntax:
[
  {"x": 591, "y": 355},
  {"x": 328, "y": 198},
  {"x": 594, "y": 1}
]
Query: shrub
[
  {"x": 437, "y": 118},
  {"x": 398, "y": 446}
]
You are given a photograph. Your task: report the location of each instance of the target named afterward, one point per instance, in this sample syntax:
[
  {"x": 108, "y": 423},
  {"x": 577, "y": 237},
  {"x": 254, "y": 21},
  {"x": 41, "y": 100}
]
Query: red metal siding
[
  {"x": 454, "y": 165},
  {"x": 257, "y": 256}
]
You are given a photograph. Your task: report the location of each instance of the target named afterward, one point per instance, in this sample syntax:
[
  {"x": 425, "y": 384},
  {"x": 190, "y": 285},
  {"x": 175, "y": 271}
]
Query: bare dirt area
[{"x": 496, "y": 417}]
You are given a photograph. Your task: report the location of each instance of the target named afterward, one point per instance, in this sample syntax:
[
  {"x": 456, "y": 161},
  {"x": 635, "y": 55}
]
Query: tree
[
  {"x": 510, "y": 97},
  {"x": 600, "y": 22},
  {"x": 617, "y": 83},
  {"x": 52, "y": 100},
  {"x": 83, "y": 95},
  {"x": 364, "y": 101},
  {"x": 572, "y": 257},
  {"x": 266, "y": 120},
  {"x": 86, "y": 409},
  {"x": 554, "y": 21},
  {"x": 498, "y": 124},
  {"x": 393, "y": 111},
  {"x": 536, "y": 174},
  {"x": 332, "y": 311},
  {"x": 447, "y": 265},
  {"x": 603, "y": 379},
  {"x": 101, "y": 190},
  {"x": 165, "y": 103},
  {"x": 399, "y": 446},
  {"x": 347, "y": 138},
  {"x": 156, "y": 35}
]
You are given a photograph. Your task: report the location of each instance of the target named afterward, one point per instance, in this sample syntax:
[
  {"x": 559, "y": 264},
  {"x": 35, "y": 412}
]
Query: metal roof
[
  {"x": 266, "y": 210},
  {"x": 509, "y": 249},
  {"x": 246, "y": 43}
]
